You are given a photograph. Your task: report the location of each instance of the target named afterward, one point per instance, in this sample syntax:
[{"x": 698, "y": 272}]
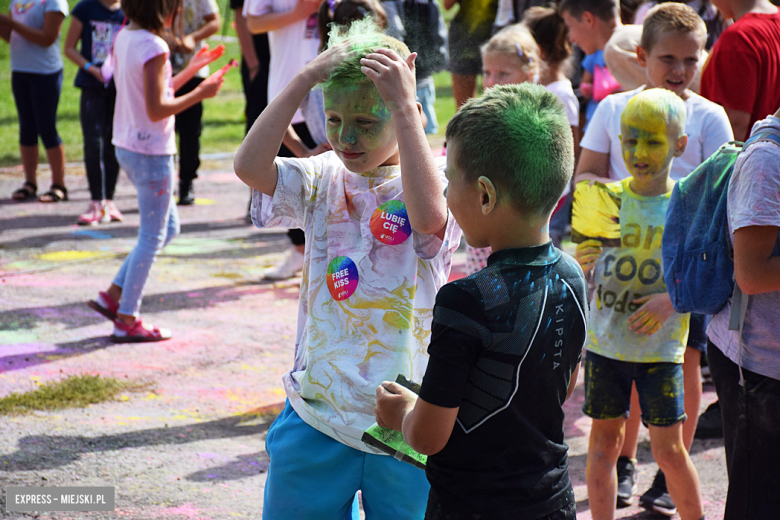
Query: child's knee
[
  {"x": 669, "y": 454},
  {"x": 606, "y": 440}
]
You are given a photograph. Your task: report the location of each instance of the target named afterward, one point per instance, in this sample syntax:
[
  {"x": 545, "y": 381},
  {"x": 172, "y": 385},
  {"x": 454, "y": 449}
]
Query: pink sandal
[
  {"x": 105, "y": 305},
  {"x": 137, "y": 333}
]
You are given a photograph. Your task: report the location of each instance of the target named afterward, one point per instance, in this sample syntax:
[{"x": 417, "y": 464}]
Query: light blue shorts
[{"x": 312, "y": 476}]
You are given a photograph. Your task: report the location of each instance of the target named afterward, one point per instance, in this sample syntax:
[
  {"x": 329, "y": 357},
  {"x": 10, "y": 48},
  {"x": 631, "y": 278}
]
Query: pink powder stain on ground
[
  {"x": 36, "y": 280},
  {"x": 185, "y": 510},
  {"x": 223, "y": 178}
]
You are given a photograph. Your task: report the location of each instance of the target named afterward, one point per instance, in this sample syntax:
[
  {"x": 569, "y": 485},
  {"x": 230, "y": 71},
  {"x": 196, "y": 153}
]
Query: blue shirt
[
  {"x": 589, "y": 63},
  {"x": 99, "y": 27},
  {"x": 31, "y": 57}
]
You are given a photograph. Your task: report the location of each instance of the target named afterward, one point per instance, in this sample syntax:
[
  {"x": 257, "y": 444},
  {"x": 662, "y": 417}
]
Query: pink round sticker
[
  {"x": 390, "y": 223},
  {"x": 342, "y": 278}
]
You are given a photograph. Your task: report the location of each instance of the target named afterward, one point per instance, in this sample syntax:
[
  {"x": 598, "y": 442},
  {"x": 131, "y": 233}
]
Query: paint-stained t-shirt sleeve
[{"x": 294, "y": 195}]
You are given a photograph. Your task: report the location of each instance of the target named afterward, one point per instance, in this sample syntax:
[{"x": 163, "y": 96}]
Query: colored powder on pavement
[{"x": 68, "y": 256}]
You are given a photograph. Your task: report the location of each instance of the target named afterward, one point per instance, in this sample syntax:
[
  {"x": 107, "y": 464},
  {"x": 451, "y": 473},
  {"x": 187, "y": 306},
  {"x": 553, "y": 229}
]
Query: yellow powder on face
[{"x": 644, "y": 141}]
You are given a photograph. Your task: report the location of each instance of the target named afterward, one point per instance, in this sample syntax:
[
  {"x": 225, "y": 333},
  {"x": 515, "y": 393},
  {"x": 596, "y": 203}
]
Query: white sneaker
[{"x": 289, "y": 267}]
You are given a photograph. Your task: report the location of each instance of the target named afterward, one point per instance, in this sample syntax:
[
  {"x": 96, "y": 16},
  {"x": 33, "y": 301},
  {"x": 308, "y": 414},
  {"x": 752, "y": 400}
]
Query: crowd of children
[{"x": 336, "y": 151}]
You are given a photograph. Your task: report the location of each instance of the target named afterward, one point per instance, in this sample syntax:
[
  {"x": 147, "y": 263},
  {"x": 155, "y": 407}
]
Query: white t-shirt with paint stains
[
  {"x": 631, "y": 271},
  {"x": 367, "y": 292}
]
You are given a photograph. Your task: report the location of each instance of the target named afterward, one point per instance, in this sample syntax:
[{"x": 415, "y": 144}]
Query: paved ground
[{"x": 190, "y": 445}]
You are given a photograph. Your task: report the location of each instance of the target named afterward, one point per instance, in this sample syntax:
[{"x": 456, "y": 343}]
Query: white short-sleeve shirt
[
  {"x": 706, "y": 125},
  {"x": 292, "y": 47},
  {"x": 367, "y": 292}
]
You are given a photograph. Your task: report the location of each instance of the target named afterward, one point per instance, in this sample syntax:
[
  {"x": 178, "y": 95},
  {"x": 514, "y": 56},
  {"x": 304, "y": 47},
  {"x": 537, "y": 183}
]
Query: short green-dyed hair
[
  {"x": 519, "y": 137},
  {"x": 654, "y": 104},
  {"x": 365, "y": 37}
]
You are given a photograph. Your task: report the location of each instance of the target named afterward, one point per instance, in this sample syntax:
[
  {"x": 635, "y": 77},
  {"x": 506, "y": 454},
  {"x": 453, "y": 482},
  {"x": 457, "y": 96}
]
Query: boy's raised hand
[
  {"x": 393, "y": 403},
  {"x": 649, "y": 317},
  {"x": 321, "y": 67},
  {"x": 587, "y": 253},
  {"x": 393, "y": 77}
]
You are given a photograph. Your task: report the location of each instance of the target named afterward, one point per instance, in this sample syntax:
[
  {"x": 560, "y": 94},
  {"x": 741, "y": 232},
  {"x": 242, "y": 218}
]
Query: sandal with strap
[
  {"x": 26, "y": 192},
  {"x": 55, "y": 194},
  {"x": 105, "y": 305},
  {"x": 137, "y": 333}
]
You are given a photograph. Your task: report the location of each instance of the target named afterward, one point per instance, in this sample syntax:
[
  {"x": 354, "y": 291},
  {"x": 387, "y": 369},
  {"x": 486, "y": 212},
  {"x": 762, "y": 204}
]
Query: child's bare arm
[
  {"x": 573, "y": 381},
  {"x": 655, "y": 310},
  {"x": 258, "y": 24},
  {"x": 593, "y": 166},
  {"x": 158, "y": 106},
  {"x": 425, "y": 426},
  {"x": 755, "y": 269},
  {"x": 423, "y": 189},
  {"x": 254, "y": 161}
]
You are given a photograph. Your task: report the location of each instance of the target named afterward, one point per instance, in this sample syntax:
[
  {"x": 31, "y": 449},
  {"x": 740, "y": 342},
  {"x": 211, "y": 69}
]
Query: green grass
[
  {"x": 72, "y": 392},
  {"x": 223, "y": 116}
]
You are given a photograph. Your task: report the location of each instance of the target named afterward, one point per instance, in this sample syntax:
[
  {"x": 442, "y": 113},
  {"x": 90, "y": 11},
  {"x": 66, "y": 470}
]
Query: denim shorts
[
  {"x": 697, "y": 332},
  {"x": 608, "y": 390}
]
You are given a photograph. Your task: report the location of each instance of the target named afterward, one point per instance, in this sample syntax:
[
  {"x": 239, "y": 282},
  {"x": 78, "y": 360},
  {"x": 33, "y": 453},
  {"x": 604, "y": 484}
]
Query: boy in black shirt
[{"x": 506, "y": 342}]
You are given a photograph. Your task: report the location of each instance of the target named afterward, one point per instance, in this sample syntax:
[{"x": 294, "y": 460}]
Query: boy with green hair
[
  {"x": 379, "y": 243},
  {"x": 635, "y": 337},
  {"x": 507, "y": 340}
]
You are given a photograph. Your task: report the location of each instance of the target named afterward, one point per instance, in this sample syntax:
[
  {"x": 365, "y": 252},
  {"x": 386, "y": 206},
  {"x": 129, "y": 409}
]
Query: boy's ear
[
  {"x": 641, "y": 56},
  {"x": 682, "y": 143},
  {"x": 488, "y": 196},
  {"x": 589, "y": 18}
]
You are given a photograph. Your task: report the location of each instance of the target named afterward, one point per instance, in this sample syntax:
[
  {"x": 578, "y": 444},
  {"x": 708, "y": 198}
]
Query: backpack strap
[
  {"x": 739, "y": 300},
  {"x": 766, "y": 135}
]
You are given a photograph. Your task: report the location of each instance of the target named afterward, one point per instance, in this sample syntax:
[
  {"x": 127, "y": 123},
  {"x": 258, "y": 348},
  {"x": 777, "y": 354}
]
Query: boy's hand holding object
[{"x": 393, "y": 402}]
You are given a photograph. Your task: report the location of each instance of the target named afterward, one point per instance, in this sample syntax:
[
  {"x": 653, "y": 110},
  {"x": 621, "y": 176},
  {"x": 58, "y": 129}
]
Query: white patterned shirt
[{"x": 368, "y": 288}]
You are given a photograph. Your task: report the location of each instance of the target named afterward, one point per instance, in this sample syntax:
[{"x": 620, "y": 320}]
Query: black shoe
[
  {"x": 657, "y": 497},
  {"x": 626, "y": 476},
  {"x": 710, "y": 423},
  {"x": 186, "y": 193}
]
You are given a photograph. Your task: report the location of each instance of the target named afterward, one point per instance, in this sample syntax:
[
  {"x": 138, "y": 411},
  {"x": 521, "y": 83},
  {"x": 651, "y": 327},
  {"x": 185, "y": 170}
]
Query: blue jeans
[
  {"x": 426, "y": 95},
  {"x": 608, "y": 390},
  {"x": 152, "y": 176},
  {"x": 315, "y": 477}
]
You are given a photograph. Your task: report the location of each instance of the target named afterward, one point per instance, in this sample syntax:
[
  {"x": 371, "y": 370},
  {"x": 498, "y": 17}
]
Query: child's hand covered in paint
[
  {"x": 321, "y": 67},
  {"x": 393, "y": 403},
  {"x": 587, "y": 253},
  {"x": 393, "y": 77},
  {"x": 210, "y": 86},
  {"x": 649, "y": 317},
  {"x": 205, "y": 56}
]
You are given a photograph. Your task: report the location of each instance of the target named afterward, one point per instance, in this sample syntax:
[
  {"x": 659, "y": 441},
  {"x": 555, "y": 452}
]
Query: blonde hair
[
  {"x": 515, "y": 40},
  {"x": 654, "y": 104},
  {"x": 671, "y": 17}
]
